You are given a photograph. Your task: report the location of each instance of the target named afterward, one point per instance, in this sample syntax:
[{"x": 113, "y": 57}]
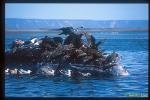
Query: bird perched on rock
[
  {"x": 92, "y": 41},
  {"x": 72, "y": 37}
]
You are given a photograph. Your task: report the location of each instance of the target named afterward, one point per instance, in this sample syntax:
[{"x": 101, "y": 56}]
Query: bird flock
[{"x": 66, "y": 53}]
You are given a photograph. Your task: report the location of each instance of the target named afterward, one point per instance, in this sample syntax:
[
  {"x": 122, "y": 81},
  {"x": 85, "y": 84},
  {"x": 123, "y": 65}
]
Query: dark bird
[
  {"x": 66, "y": 30},
  {"x": 92, "y": 41}
]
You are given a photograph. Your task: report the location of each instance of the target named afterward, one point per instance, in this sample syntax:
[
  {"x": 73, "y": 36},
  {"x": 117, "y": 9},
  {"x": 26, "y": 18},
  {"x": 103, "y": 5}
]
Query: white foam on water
[
  {"x": 86, "y": 74},
  {"x": 48, "y": 71},
  {"x": 67, "y": 73},
  {"x": 119, "y": 70},
  {"x": 21, "y": 71}
]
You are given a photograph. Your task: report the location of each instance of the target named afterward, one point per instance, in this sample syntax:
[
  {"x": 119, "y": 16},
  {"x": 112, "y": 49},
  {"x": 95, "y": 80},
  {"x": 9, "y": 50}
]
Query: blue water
[{"x": 132, "y": 46}]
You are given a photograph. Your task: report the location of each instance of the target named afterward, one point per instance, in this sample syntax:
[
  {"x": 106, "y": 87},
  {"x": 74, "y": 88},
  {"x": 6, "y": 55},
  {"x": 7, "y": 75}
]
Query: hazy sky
[{"x": 77, "y": 11}]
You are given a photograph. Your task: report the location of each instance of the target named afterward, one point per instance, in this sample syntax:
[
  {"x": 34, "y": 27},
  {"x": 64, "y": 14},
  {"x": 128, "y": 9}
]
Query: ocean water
[{"x": 131, "y": 46}]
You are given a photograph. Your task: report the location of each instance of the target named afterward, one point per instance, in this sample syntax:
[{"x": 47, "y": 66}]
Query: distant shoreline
[{"x": 85, "y": 29}]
